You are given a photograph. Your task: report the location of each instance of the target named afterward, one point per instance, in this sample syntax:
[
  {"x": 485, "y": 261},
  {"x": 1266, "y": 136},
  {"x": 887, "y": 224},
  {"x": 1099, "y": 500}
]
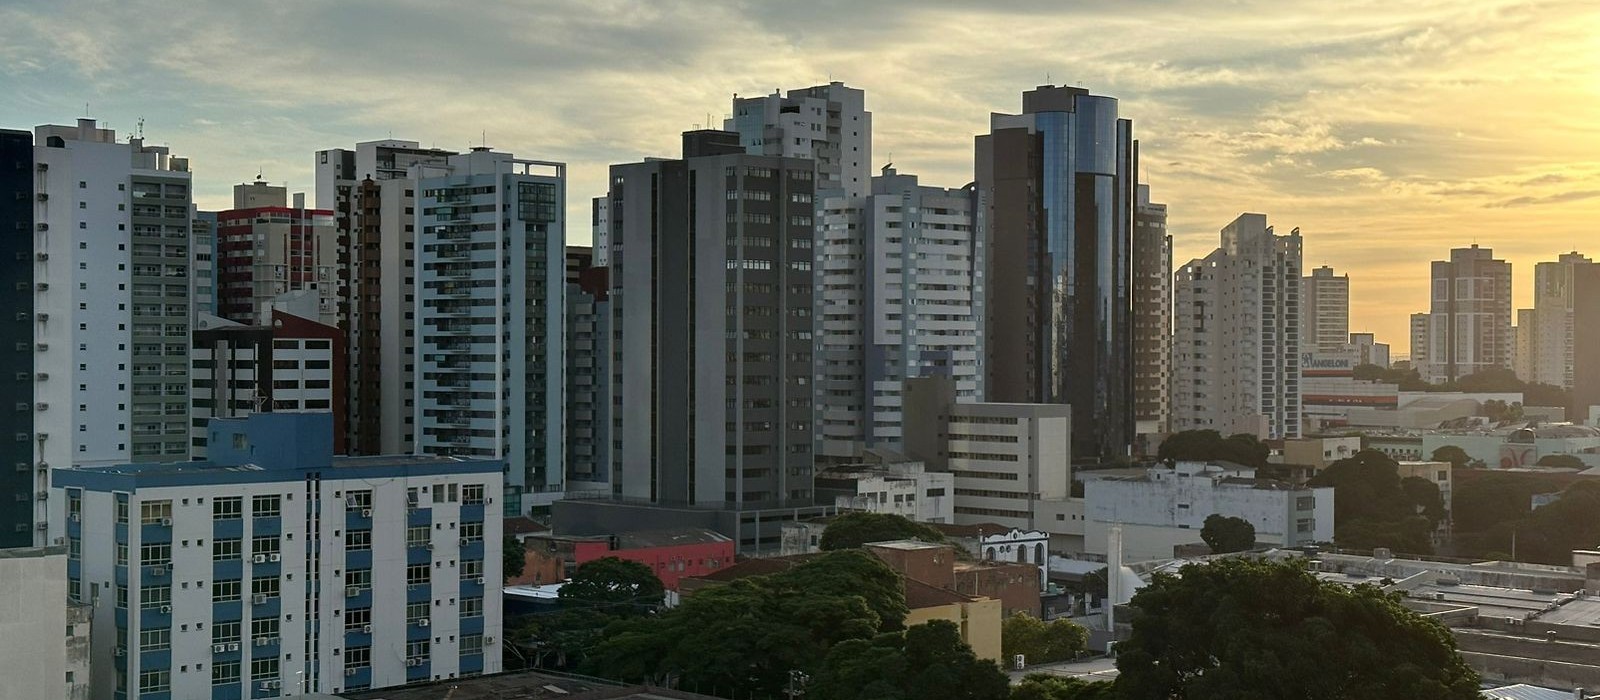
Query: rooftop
[
  {"x": 906, "y": 545},
  {"x": 669, "y": 538}
]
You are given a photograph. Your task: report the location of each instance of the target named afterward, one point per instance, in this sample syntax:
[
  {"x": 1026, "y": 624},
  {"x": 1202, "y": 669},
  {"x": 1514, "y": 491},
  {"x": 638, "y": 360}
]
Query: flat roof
[{"x": 907, "y": 545}]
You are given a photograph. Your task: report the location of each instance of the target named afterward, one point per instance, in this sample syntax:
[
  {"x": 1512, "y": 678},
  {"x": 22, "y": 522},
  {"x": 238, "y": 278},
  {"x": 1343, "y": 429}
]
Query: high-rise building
[
  {"x": 600, "y": 232},
  {"x": 491, "y": 289},
  {"x": 44, "y": 637},
  {"x": 1419, "y": 343},
  {"x": 1055, "y": 207},
  {"x": 588, "y": 356},
  {"x": 1325, "y": 311},
  {"x": 900, "y": 297},
  {"x": 373, "y": 194},
  {"x": 1469, "y": 318},
  {"x": 266, "y": 248},
  {"x": 1548, "y": 327},
  {"x": 111, "y": 295},
  {"x": 1152, "y": 315},
  {"x": 291, "y": 363},
  {"x": 1367, "y": 349},
  {"x": 1586, "y": 343},
  {"x": 275, "y": 568},
  {"x": 1236, "y": 351},
  {"x": 1522, "y": 355},
  {"x": 711, "y": 301},
  {"x": 826, "y": 124},
  {"x": 20, "y": 479},
  {"x": 203, "y": 271}
]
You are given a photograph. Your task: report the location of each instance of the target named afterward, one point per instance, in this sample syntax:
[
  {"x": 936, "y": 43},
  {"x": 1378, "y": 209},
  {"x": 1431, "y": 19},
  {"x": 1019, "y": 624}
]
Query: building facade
[
  {"x": 20, "y": 479},
  {"x": 1055, "y": 207},
  {"x": 372, "y": 192},
  {"x": 826, "y": 124},
  {"x": 1324, "y": 310},
  {"x": 1236, "y": 353},
  {"x": 491, "y": 289},
  {"x": 276, "y": 569},
  {"x": 265, "y": 248},
  {"x": 291, "y": 364},
  {"x": 1586, "y": 344},
  {"x": 40, "y": 661},
  {"x": 1152, "y": 315},
  {"x": 1549, "y": 328},
  {"x": 1469, "y": 319},
  {"x": 588, "y": 401},
  {"x": 890, "y": 484},
  {"x": 711, "y": 302},
  {"x": 1368, "y": 350},
  {"x": 901, "y": 296}
]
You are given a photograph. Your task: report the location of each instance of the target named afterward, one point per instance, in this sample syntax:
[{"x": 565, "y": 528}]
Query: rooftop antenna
[
  {"x": 140, "y": 129},
  {"x": 86, "y": 110}
]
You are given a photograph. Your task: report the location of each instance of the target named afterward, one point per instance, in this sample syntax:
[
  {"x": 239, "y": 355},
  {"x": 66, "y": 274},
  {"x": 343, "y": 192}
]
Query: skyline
[{"x": 1474, "y": 134}]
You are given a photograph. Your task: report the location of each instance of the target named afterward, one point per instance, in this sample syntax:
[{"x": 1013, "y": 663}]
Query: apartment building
[
  {"x": 828, "y": 125},
  {"x": 265, "y": 248},
  {"x": 276, "y": 569},
  {"x": 1324, "y": 311},
  {"x": 1468, "y": 328},
  {"x": 1152, "y": 315},
  {"x": 20, "y": 479}
]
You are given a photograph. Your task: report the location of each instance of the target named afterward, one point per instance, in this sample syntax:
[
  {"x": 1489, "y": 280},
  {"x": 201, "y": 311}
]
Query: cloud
[{"x": 1528, "y": 201}]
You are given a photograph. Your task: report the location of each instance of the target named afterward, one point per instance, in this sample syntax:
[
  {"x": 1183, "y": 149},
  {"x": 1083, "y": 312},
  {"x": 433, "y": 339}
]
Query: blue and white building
[
  {"x": 277, "y": 569},
  {"x": 491, "y": 290}
]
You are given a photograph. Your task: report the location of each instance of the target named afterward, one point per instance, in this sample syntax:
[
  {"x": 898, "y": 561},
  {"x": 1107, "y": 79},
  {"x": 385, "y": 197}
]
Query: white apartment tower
[
  {"x": 901, "y": 296},
  {"x": 1236, "y": 353},
  {"x": 828, "y": 124},
  {"x": 490, "y": 316},
  {"x": 1549, "y": 332},
  {"x": 373, "y": 193},
  {"x": 111, "y": 295},
  {"x": 1325, "y": 311}
]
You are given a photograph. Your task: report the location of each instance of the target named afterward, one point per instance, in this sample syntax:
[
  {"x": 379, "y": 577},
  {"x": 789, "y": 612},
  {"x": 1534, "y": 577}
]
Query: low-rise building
[
  {"x": 889, "y": 483},
  {"x": 40, "y": 662},
  {"x": 1319, "y": 452},
  {"x": 1167, "y": 506},
  {"x": 671, "y": 554},
  {"x": 275, "y": 568}
]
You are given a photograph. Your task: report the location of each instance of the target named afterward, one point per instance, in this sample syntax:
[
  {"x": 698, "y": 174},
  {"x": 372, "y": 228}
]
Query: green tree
[
  {"x": 1562, "y": 462},
  {"x": 852, "y": 530},
  {"x": 512, "y": 559},
  {"x": 1244, "y": 629},
  {"x": 1224, "y": 534},
  {"x": 1206, "y": 445},
  {"x": 1041, "y": 642},
  {"x": 1043, "y": 686},
  {"x": 1457, "y": 457},
  {"x": 613, "y": 583},
  {"x": 924, "y": 661},
  {"x": 1373, "y": 508}
]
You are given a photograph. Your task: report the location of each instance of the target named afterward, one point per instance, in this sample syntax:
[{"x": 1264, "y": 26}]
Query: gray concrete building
[
  {"x": 39, "y": 661},
  {"x": 1152, "y": 315},
  {"x": 900, "y": 296},
  {"x": 1324, "y": 311},
  {"x": 1468, "y": 327},
  {"x": 826, "y": 124}
]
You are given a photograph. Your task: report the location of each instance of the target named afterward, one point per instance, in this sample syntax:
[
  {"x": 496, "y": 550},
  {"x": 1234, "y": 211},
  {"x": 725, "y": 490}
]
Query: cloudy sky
[{"x": 1387, "y": 131}]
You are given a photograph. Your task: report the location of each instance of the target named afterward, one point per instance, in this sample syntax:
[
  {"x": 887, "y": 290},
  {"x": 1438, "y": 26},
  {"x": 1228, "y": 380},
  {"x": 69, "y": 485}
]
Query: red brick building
[{"x": 671, "y": 554}]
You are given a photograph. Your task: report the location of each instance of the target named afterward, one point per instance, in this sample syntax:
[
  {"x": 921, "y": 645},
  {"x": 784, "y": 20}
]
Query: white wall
[{"x": 33, "y": 620}]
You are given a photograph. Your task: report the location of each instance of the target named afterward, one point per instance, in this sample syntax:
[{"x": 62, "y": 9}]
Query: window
[
  {"x": 418, "y": 536},
  {"x": 224, "y": 672},
  {"x": 122, "y": 509},
  {"x": 416, "y": 611},
  {"x": 356, "y": 619},
  {"x": 226, "y": 549},
  {"x": 264, "y": 669},
  {"x": 358, "y": 540},
  {"x": 417, "y": 574},
  {"x": 225, "y": 591},
  {"x": 358, "y": 657},
  {"x": 154, "y": 597},
  {"x": 122, "y": 554},
  {"x": 1305, "y": 503},
  {"x": 224, "y": 632},
  {"x": 417, "y": 650},
  {"x": 265, "y": 544},
  {"x": 358, "y": 500},
  {"x": 122, "y": 596},
  {"x": 472, "y": 532},
  {"x": 264, "y": 628},
  {"x": 358, "y": 578},
  {"x": 471, "y": 644},
  {"x": 472, "y": 495},
  {"x": 227, "y": 508},
  {"x": 471, "y": 569},
  {"x": 155, "y": 554},
  {"x": 155, "y": 639},
  {"x": 266, "y": 506},
  {"x": 75, "y": 548},
  {"x": 155, "y": 512},
  {"x": 264, "y": 585},
  {"x": 472, "y": 607},
  {"x": 157, "y": 681}
]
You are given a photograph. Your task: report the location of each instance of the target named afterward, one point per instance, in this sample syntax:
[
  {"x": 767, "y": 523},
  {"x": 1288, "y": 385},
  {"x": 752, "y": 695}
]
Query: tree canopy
[
  {"x": 1562, "y": 461},
  {"x": 1456, "y": 456},
  {"x": 1224, "y": 534},
  {"x": 1496, "y": 380},
  {"x": 1043, "y": 686},
  {"x": 615, "y": 582},
  {"x": 1373, "y": 507},
  {"x": 1041, "y": 642},
  {"x": 925, "y": 661},
  {"x": 1205, "y": 445},
  {"x": 1241, "y": 629},
  {"x": 512, "y": 558},
  {"x": 852, "y": 530},
  {"x": 746, "y": 636}
]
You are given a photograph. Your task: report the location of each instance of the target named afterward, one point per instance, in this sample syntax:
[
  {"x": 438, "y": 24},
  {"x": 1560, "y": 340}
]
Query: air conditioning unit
[
  {"x": 271, "y": 685},
  {"x": 43, "y": 376},
  {"x": 428, "y": 546},
  {"x": 366, "y": 512},
  {"x": 480, "y": 580},
  {"x": 352, "y": 591},
  {"x": 120, "y": 651},
  {"x": 42, "y": 167},
  {"x": 41, "y": 527},
  {"x": 75, "y": 517},
  {"x": 233, "y": 646},
  {"x": 259, "y": 599},
  {"x": 488, "y": 639},
  {"x": 42, "y": 257},
  {"x": 350, "y": 672},
  {"x": 42, "y": 286},
  {"x": 464, "y": 542},
  {"x": 366, "y": 629},
  {"x": 44, "y": 196},
  {"x": 166, "y": 522},
  {"x": 262, "y": 641},
  {"x": 42, "y": 495},
  {"x": 43, "y": 466},
  {"x": 413, "y": 662},
  {"x": 43, "y": 316},
  {"x": 218, "y": 648},
  {"x": 158, "y": 571},
  {"x": 275, "y": 557},
  {"x": 41, "y": 406},
  {"x": 259, "y": 559},
  {"x": 42, "y": 347},
  {"x": 166, "y": 609},
  {"x": 42, "y": 226},
  {"x": 424, "y": 622}
]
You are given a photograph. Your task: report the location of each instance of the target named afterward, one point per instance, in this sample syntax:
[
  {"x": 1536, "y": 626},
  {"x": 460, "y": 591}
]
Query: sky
[{"x": 1388, "y": 132}]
